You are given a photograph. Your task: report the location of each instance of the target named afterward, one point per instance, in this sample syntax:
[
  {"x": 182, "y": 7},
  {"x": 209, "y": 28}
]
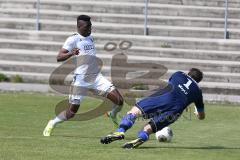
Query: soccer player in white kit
[{"x": 82, "y": 44}]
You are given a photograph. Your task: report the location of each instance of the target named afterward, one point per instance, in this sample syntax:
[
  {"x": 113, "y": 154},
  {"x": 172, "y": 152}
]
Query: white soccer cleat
[{"x": 48, "y": 129}]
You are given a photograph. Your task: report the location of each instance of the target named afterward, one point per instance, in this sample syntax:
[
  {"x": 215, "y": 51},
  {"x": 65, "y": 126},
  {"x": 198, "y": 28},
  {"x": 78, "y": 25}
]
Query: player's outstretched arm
[{"x": 64, "y": 54}]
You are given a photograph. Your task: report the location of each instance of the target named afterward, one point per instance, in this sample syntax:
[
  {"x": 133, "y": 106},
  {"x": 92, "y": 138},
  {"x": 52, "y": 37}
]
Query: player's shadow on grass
[
  {"x": 77, "y": 136},
  {"x": 87, "y": 136},
  {"x": 183, "y": 147}
]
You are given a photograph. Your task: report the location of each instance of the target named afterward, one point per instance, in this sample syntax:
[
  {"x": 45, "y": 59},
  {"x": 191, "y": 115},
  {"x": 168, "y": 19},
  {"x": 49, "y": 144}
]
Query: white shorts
[{"x": 82, "y": 84}]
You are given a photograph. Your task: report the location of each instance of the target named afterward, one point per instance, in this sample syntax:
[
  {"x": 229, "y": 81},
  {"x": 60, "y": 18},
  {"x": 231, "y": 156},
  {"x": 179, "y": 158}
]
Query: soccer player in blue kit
[{"x": 162, "y": 108}]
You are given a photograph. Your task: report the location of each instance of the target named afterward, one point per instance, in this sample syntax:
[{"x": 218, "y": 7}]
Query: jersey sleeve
[
  {"x": 69, "y": 43},
  {"x": 199, "y": 103}
]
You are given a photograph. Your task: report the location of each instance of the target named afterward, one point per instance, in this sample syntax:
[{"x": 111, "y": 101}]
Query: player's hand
[
  {"x": 75, "y": 51},
  {"x": 195, "y": 111},
  {"x": 200, "y": 115}
]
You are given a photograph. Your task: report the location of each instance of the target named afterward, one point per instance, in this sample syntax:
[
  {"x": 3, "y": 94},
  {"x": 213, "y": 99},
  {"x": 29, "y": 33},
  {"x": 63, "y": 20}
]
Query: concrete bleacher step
[
  {"x": 50, "y": 57},
  {"x": 38, "y": 40},
  {"x": 219, "y": 77},
  {"x": 27, "y": 66},
  {"x": 172, "y": 42},
  {"x": 28, "y": 55},
  {"x": 29, "y": 77},
  {"x": 182, "y": 64},
  {"x": 207, "y": 87},
  {"x": 170, "y": 63},
  {"x": 122, "y": 18},
  {"x": 30, "y": 44},
  {"x": 126, "y": 8},
  {"x": 34, "y": 77},
  {"x": 113, "y": 28},
  {"x": 219, "y": 3},
  {"x": 39, "y": 55},
  {"x": 147, "y": 51},
  {"x": 220, "y": 88}
]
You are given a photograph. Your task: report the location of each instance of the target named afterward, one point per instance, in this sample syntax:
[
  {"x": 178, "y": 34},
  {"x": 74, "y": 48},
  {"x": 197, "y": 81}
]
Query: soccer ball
[{"x": 164, "y": 135}]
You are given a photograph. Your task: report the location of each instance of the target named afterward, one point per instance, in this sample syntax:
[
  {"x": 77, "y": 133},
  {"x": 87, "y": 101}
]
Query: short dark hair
[
  {"x": 84, "y": 18},
  {"x": 196, "y": 74}
]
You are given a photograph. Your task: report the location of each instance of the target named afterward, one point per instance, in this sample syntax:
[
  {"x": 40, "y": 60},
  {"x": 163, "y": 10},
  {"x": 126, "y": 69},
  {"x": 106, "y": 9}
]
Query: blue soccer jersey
[
  {"x": 163, "y": 108},
  {"x": 188, "y": 89}
]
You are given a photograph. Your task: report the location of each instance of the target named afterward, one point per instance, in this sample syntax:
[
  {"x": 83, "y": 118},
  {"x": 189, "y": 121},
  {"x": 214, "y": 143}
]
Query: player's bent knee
[
  {"x": 136, "y": 111},
  {"x": 148, "y": 128},
  {"x": 153, "y": 126}
]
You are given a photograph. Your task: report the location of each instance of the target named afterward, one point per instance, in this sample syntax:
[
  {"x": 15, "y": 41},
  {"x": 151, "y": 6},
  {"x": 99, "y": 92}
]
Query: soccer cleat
[
  {"x": 113, "y": 119},
  {"x": 112, "y": 137},
  {"x": 48, "y": 129},
  {"x": 133, "y": 144}
]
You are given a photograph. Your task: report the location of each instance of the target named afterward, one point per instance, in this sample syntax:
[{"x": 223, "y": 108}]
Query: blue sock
[
  {"x": 121, "y": 130},
  {"x": 127, "y": 122},
  {"x": 143, "y": 135}
]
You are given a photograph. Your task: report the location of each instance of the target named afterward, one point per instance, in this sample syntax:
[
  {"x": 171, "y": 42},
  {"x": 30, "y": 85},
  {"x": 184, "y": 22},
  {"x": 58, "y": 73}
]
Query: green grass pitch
[{"x": 24, "y": 116}]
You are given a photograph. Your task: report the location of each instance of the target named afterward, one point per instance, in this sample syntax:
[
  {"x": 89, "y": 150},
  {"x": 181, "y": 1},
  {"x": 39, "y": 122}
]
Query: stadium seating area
[{"x": 182, "y": 34}]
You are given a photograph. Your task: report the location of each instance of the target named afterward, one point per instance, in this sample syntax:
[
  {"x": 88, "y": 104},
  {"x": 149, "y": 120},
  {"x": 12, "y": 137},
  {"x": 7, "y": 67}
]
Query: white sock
[
  {"x": 115, "y": 110},
  {"x": 58, "y": 119}
]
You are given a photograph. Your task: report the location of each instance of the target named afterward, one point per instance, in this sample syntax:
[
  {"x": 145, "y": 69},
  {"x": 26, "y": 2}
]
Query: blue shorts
[{"x": 162, "y": 110}]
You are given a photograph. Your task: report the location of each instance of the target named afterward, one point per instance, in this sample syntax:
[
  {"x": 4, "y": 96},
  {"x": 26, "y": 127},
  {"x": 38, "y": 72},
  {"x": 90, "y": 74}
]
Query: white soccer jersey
[
  {"x": 87, "y": 74},
  {"x": 86, "y": 47}
]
